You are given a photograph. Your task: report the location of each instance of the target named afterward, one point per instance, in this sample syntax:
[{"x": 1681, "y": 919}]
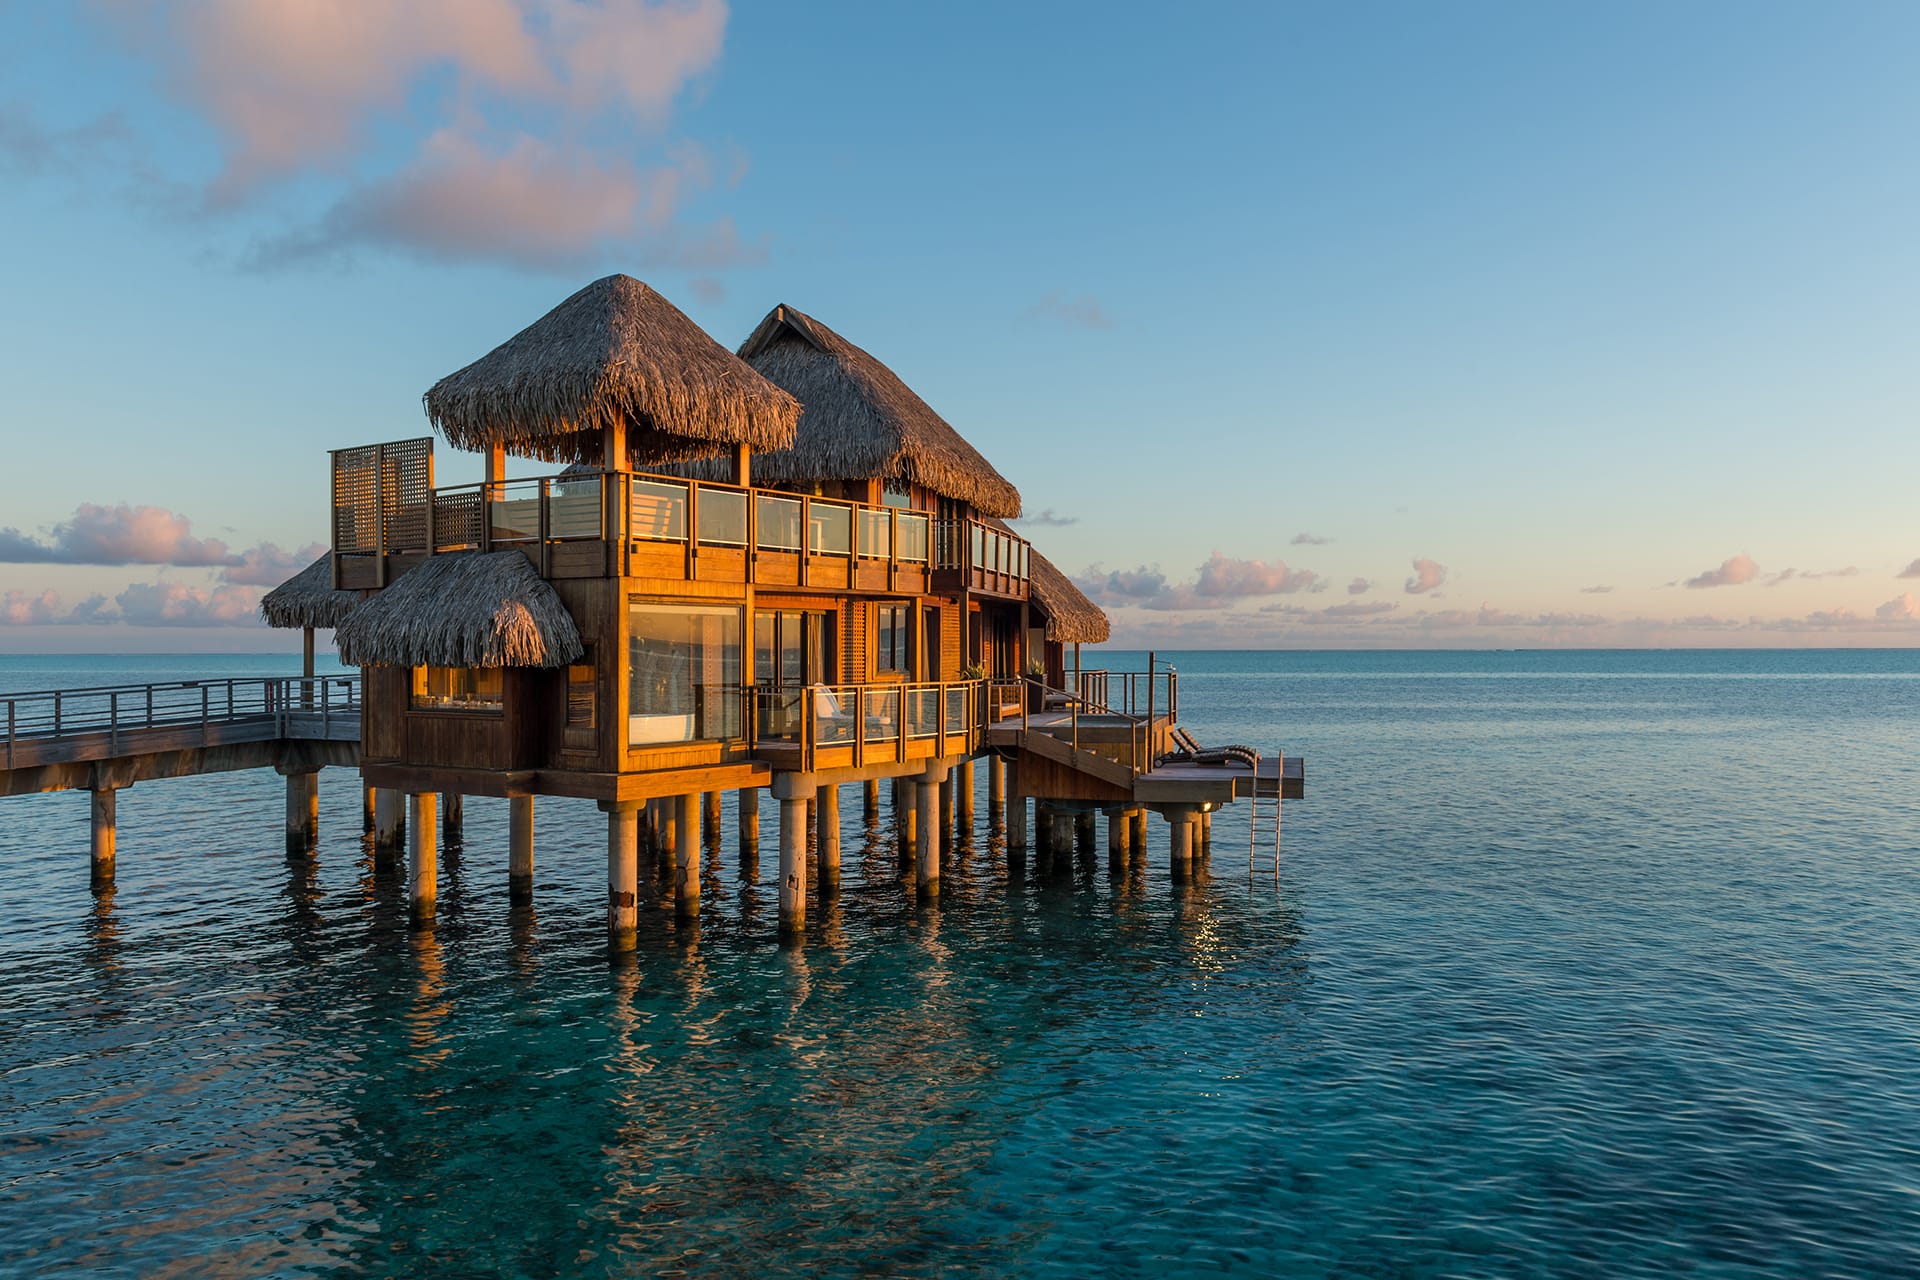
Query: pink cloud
[
  {"x": 1220, "y": 576},
  {"x": 1427, "y": 575},
  {"x": 116, "y": 535},
  {"x": 267, "y": 565},
  {"x": 18, "y": 609},
  {"x": 1903, "y": 608},
  {"x": 1217, "y": 584},
  {"x": 1731, "y": 573},
  {"x": 1359, "y": 587},
  {"x": 172, "y": 604},
  {"x": 1911, "y": 571}
]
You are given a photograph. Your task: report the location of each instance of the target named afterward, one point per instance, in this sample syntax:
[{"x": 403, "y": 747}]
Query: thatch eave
[
  {"x": 463, "y": 609},
  {"x": 308, "y": 599},
  {"x": 616, "y": 353}
]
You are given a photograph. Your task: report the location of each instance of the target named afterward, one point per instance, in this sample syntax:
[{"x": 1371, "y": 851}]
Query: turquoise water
[{"x": 1592, "y": 964}]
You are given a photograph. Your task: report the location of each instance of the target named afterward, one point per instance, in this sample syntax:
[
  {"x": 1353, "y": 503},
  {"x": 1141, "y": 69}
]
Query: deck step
[{"x": 1092, "y": 763}]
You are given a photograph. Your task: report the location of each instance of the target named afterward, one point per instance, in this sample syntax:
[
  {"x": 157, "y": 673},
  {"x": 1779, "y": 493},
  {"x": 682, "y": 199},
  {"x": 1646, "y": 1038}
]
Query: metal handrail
[{"x": 115, "y": 710}]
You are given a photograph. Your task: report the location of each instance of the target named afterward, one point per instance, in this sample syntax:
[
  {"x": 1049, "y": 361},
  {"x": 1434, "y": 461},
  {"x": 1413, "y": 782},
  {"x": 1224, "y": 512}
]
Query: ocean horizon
[{"x": 1576, "y": 963}]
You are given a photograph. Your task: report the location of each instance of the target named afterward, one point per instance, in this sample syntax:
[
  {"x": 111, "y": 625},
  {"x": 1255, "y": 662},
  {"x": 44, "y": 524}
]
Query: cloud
[
  {"x": 266, "y": 565},
  {"x": 1904, "y": 608},
  {"x": 116, "y": 535},
  {"x": 500, "y": 130},
  {"x": 32, "y": 149},
  {"x": 1217, "y": 584},
  {"x": 1359, "y": 609},
  {"x": 1731, "y": 573},
  {"x": 18, "y": 609},
  {"x": 1220, "y": 576},
  {"x": 1596, "y": 591},
  {"x": 1427, "y": 575},
  {"x": 152, "y": 604},
  {"x": 1049, "y": 519},
  {"x": 1911, "y": 571},
  {"x": 1359, "y": 587},
  {"x": 1075, "y": 313},
  {"x": 1310, "y": 540}
]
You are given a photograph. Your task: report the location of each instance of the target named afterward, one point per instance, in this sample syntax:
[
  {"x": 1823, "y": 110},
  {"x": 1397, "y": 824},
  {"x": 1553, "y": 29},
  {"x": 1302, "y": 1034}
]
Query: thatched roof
[
  {"x": 615, "y": 351},
  {"x": 464, "y": 609},
  {"x": 1071, "y": 617},
  {"x": 308, "y": 599},
  {"x": 858, "y": 420}
]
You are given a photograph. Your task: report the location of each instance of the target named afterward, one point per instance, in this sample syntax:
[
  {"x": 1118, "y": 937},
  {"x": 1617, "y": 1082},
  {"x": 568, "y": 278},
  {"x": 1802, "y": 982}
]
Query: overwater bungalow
[{"x": 779, "y": 569}]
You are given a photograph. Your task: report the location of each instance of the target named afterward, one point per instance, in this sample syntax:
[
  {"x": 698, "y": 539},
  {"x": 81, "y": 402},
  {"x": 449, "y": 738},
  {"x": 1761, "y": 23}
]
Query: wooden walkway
[{"x": 116, "y": 735}]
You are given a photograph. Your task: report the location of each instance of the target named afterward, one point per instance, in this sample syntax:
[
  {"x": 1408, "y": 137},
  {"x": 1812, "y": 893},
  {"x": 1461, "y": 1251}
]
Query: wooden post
[
  {"x": 906, "y": 814},
  {"x": 1137, "y": 838},
  {"x": 926, "y": 875},
  {"x": 453, "y": 815},
  {"x": 367, "y": 795},
  {"x": 1180, "y": 824},
  {"x": 963, "y": 794},
  {"x": 670, "y": 827},
  {"x": 870, "y": 799},
  {"x": 996, "y": 791},
  {"x": 623, "y": 874},
  {"x": 710, "y": 819},
  {"x": 686, "y": 861},
  {"x": 1016, "y": 820},
  {"x": 1206, "y": 833},
  {"x": 1116, "y": 839},
  {"x": 303, "y": 812},
  {"x": 105, "y": 830},
  {"x": 1063, "y": 833},
  {"x": 793, "y": 865},
  {"x": 827, "y": 828},
  {"x": 946, "y": 806},
  {"x": 749, "y": 823},
  {"x": 423, "y": 856},
  {"x": 389, "y": 827},
  {"x": 520, "y": 849},
  {"x": 1042, "y": 826},
  {"x": 1083, "y": 828}
]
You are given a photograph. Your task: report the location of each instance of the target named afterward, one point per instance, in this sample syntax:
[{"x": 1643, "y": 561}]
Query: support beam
[
  {"x": 870, "y": 799},
  {"x": 686, "y": 860},
  {"x": 1137, "y": 839},
  {"x": 303, "y": 812},
  {"x": 389, "y": 827},
  {"x": 946, "y": 806},
  {"x": 926, "y": 870},
  {"x": 906, "y": 815},
  {"x": 105, "y": 834},
  {"x": 623, "y": 875},
  {"x": 520, "y": 849},
  {"x": 423, "y": 856},
  {"x": 963, "y": 795},
  {"x": 793, "y": 865},
  {"x": 1116, "y": 840},
  {"x": 749, "y": 824},
  {"x": 827, "y": 831},
  {"x": 710, "y": 816},
  {"x": 996, "y": 791},
  {"x": 453, "y": 816}
]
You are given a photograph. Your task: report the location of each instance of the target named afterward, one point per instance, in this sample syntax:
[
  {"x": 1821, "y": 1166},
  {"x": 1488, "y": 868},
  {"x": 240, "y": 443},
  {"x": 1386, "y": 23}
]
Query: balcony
[
  {"x": 593, "y": 524},
  {"x": 825, "y": 727},
  {"x": 972, "y": 555}
]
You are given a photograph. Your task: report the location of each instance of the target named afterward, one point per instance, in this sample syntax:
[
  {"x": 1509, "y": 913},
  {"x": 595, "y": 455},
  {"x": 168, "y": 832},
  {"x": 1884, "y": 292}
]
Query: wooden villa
[{"x": 778, "y": 569}]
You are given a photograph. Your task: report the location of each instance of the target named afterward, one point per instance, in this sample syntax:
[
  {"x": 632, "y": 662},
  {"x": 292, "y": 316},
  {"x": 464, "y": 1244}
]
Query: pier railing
[
  {"x": 119, "y": 716},
  {"x": 855, "y": 725}
]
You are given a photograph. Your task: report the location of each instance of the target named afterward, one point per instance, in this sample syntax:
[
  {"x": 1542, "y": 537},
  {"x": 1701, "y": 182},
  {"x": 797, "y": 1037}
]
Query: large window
[
  {"x": 683, "y": 665},
  {"x": 893, "y": 639},
  {"x": 791, "y": 650},
  {"x": 456, "y": 689}
]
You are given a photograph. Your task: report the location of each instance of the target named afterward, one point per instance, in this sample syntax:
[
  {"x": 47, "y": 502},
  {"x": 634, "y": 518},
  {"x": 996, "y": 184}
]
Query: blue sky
[{"x": 1311, "y": 325}]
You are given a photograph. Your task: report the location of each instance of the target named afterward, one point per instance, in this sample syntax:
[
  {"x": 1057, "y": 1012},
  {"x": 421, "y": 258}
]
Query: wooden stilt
[
  {"x": 623, "y": 874},
  {"x": 366, "y": 808},
  {"x": 1116, "y": 840},
  {"x": 303, "y": 812},
  {"x": 453, "y": 816},
  {"x": 686, "y": 861},
  {"x": 946, "y": 806},
  {"x": 1180, "y": 826},
  {"x": 520, "y": 849},
  {"x": 389, "y": 827},
  {"x": 793, "y": 865},
  {"x": 996, "y": 791},
  {"x": 963, "y": 795},
  {"x": 906, "y": 815},
  {"x": 105, "y": 830},
  {"x": 1016, "y": 821},
  {"x": 926, "y": 877},
  {"x": 749, "y": 823},
  {"x": 827, "y": 827},
  {"x": 1137, "y": 841},
  {"x": 1085, "y": 828},
  {"x": 710, "y": 817},
  {"x": 870, "y": 799},
  {"x": 423, "y": 856}
]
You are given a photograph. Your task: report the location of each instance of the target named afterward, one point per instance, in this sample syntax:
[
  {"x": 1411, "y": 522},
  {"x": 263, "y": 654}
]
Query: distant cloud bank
[{"x": 127, "y": 535}]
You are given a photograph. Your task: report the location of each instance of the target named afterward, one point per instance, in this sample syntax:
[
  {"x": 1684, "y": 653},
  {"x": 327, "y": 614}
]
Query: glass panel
[
  {"x": 830, "y": 530},
  {"x": 883, "y": 715},
  {"x": 817, "y": 670},
  {"x": 779, "y": 522},
  {"x": 780, "y": 713},
  {"x": 515, "y": 511},
  {"x": 923, "y": 711},
  {"x": 580, "y": 695},
  {"x": 723, "y": 517},
  {"x": 957, "y": 710},
  {"x": 913, "y": 537},
  {"x": 896, "y": 494},
  {"x": 684, "y": 673},
  {"x": 659, "y": 511},
  {"x": 876, "y": 533},
  {"x": 834, "y": 713},
  {"x": 764, "y": 634},
  {"x": 457, "y": 688},
  {"x": 573, "y": 507},
  {"x": 979, "y": 546}
]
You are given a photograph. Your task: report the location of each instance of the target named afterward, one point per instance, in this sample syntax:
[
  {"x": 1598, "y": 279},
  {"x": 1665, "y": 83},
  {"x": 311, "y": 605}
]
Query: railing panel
[
  {"x": 459, "y": 517},
  {"x": 830, "y": 528},
  {"x": 923, "y": 710},
  {"x": 876, "y": 533},
  {"x": 657, "y": 511},
  {"x": 779, "y": 522},
  {"x": 835, "y": 714},
  {"x": 723, "y": 517},
  {"x": 573, "y": 508},
  {"x": 913, "y": 537}
]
